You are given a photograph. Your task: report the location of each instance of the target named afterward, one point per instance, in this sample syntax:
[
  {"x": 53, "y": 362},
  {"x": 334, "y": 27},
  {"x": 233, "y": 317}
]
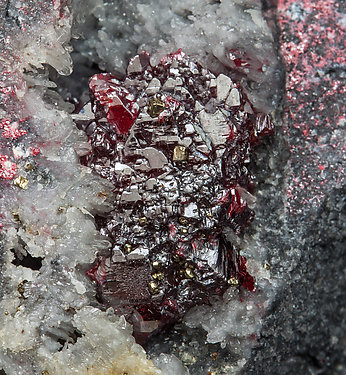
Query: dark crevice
[
  {"x": 311, "y": 360},
  {"x": 338, "y": 72},
  {"x": 269, "y": 4},
  {"x": 75, "y": 88},
  {"x": 28, "y": 261},
  {"x": 73, "y": 337},
  {"x": 64, "y": 333}
]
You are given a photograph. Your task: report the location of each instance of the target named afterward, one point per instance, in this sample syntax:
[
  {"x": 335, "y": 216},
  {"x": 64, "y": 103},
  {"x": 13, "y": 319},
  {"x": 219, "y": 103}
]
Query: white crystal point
[
  {"x": 233, "y": 98},
  {"x": 171, "y": 365},
  {"x": 223, "y": 85}
]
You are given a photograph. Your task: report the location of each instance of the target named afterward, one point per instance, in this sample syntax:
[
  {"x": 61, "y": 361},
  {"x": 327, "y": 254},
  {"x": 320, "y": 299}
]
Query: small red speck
[
  {"x": 321, "y": 167},
  {"x": 178, "y": 55},
  {"x": 4, "y": 122},
  {"x": 172, "y": 229},
  {"x": 180, "y": 252},
  {"x": 170, "y": 304},
  {"x": 34, "y": 151}
]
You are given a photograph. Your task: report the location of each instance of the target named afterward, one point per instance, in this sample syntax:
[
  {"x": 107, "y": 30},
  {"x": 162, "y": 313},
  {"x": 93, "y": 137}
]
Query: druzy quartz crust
[{"x": 175, "y": 141}]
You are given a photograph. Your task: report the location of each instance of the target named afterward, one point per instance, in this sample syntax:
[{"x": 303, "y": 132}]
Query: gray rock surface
[{"x": 304, "y": 332}]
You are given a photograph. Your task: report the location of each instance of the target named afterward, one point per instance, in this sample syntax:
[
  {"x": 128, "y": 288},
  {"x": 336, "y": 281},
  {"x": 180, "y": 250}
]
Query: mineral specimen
[
  {"x": 50, "y": 320},
  {"x": 47, "y": 200},
  {"x": 175, "y": 141}
]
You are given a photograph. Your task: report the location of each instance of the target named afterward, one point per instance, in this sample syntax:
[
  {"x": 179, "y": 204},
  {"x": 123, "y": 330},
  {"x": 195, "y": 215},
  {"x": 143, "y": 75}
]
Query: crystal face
[
  {"x": 175, "y": 140},
  {"x": 114, "y": 102}
]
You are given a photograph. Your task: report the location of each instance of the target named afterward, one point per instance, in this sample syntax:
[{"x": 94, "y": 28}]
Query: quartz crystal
[{"x": 175, "y": 141}]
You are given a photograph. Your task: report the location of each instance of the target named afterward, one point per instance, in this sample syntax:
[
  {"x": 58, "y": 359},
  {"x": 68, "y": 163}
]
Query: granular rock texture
[{"x": 305, "y": 329}]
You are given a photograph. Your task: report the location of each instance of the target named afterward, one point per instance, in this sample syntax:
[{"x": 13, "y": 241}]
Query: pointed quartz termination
[{"x": 175, "y": 140}]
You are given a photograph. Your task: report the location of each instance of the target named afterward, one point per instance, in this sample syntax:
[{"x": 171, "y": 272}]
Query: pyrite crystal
[{"x": 175, "y": 140}]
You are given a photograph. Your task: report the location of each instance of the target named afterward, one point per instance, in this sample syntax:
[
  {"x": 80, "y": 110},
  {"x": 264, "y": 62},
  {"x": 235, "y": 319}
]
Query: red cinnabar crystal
[
  {"x": 111, "y": 99},
  {"x": 175, "y": 140}
]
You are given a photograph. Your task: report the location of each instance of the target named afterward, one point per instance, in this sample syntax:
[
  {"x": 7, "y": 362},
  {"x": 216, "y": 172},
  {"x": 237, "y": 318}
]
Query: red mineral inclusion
[
  {"x": 176, "y": 56},
  {"x": 11, "y": 129},
  {"x": 239, "y": 58},
  {"x": 98, "y": 271},
  {"x": 117, "y": 103},
  {"x": 237, "y": 204},
  {"x": 245, "y": 279},
  {"x": 7, "y": 169}
]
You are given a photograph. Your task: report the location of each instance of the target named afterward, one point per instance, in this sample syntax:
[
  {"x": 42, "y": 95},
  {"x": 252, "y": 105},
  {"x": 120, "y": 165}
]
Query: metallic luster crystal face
[
  {"x": 155, "y": 107},
  {"x": 175, "y": 140},
  {"x": 21, "y": 182}
]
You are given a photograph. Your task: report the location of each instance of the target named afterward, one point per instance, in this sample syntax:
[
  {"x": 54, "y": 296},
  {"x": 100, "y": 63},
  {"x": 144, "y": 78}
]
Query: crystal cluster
[
  {"x": 167, "y": 134},
  {"x": 175, "y": 141},
  {"x": 47, "y": 199},
  {"x": 230, "y": 34}
]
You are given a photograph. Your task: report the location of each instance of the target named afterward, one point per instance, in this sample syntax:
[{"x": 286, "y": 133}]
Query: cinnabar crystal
[{"x": 175, "y": 140}]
